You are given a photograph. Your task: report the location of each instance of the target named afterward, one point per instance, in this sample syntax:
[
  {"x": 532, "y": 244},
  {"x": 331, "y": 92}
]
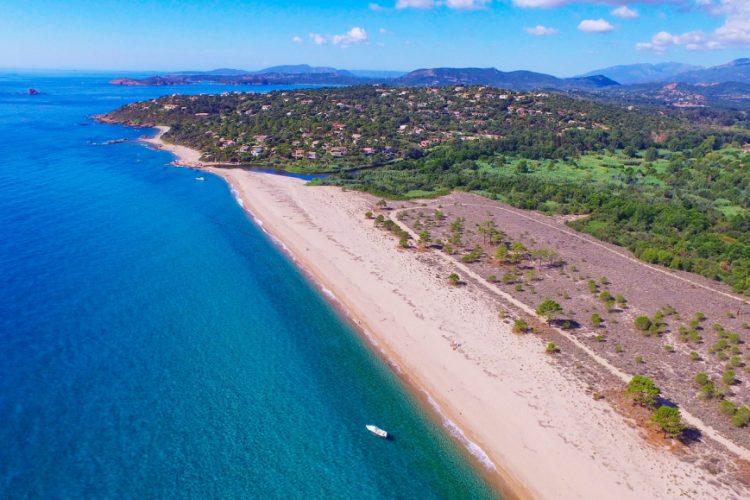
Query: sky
[{"x": 561, "y": 37}]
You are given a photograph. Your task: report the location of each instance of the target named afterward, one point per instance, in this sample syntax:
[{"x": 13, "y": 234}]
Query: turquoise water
[{"x": 154, "y": 343}]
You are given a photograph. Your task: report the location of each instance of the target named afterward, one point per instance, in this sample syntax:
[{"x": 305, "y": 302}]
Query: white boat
[
  {"x": 200, "y": 179},
  {"x": 377, "y": 431}
]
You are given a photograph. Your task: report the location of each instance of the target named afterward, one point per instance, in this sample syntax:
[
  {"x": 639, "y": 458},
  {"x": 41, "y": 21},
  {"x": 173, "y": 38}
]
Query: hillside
[
  {"x": 713, "y": 98},
  {"x": 514, "y": 80},
  {"x": 735, "y": 71},
  {"x": 321, "y": 129},
  {"x": 305, "y": 74},
  {"x": 303, "y": 69},
  {"x": 643, "y": 73}
]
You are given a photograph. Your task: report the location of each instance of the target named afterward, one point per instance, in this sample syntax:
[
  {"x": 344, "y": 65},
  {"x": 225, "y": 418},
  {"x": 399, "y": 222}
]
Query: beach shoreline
[
  {"x": 503, "y": 481},
  {"x": 487, "y": 466},
  {"x": 470, "y": 387}
]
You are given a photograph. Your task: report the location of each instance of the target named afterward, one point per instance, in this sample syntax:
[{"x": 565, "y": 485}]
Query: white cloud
[
  {"x": 451, "y": 4},
  {"x": 415, "y": 4},
  {"x": 466, "y": 4},
  {"x": 558, "y": 3},
  {"x": 595, "y": 26},
  {"x": 318, "y": 39},
  {"x": 375, "y": 7},
  {"x": 625, "y": 13},
  {"x": 734, "y": 33},
  {"x": 297, "y": 39},
  {"x": 539, "y": 3},
  {"x": 353, "y": 36},
  {"x": 692, "y": 40},
  {"x": 540, "y": 30},
  {"x": 384, "y": 31}
]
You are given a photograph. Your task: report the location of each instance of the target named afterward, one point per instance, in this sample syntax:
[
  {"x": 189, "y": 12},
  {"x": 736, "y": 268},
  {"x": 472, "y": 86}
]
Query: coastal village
[{"x": 353, "y": 127}]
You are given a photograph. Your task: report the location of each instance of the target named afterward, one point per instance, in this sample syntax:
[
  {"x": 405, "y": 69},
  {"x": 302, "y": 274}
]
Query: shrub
[
  {"x": 741, "y": 417},
  {"x": 707, "y": 391},
  {"x": 727, "y": 408},
  {"x": 669, "y": 420},
  {"x": 728, "y": 377},
  {"x": 520, "y": 326},
  {"x": 643, "y": 323},
  {"x": 549, "y": 308},
  {"x": 492, "y": 278},
  {"x": 403, "y": 240},
  {"x": 695, "y": 356},
  {"x": 720, "y": 345},
  {"x": 472, "y": 256},
  {"x": 551, "y": 348},
  {"x": 454, "y": 279},
  {"x": 701, "y": 378},
  {"x": 668, "y": 310},
  {"x": 668, "y": 348},
  {"x": 643, "y": 391},
  {"x": 695, "y": 337}
]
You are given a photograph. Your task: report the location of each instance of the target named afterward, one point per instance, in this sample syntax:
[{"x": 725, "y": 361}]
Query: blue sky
[{"x": 563, "y": 37}]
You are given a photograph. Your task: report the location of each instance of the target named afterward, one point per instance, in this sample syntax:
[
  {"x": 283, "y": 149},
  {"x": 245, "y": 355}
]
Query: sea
[{"x": 155, "y": 343}]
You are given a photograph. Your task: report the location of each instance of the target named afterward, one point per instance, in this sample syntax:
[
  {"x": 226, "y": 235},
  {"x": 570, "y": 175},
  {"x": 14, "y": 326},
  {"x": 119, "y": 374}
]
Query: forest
[{"x": 686, "y": 210}]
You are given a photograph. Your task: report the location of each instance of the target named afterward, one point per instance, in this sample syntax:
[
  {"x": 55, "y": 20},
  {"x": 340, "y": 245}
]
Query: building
[{"x": 338, "y": 152}]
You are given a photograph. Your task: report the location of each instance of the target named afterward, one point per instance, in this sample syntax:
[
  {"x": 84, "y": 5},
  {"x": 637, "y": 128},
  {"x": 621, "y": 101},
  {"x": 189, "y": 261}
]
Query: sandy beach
[
  {"x": 186, "y": 157},
  {"x": 532, "y": 426}
]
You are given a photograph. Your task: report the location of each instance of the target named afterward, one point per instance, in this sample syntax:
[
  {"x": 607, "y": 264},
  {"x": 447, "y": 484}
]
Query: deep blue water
[{"x": 154, "y": 343}]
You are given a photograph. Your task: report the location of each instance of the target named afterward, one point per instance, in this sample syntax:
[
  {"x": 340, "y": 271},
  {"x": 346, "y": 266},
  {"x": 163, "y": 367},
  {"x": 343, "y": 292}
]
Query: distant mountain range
[
  {"x": 727, "y": 95},
  {"x": 513, "y": 80},
  {"x": 671, "y": 84},
  {"x": 734, "y": 71},
  {"x": 643, "y": 73},
  {"x": 304, "y": 74}
]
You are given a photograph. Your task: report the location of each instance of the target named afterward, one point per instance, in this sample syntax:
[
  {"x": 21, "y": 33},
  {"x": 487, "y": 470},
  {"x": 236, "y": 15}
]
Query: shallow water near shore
[{"x": 154, "y": 342}]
